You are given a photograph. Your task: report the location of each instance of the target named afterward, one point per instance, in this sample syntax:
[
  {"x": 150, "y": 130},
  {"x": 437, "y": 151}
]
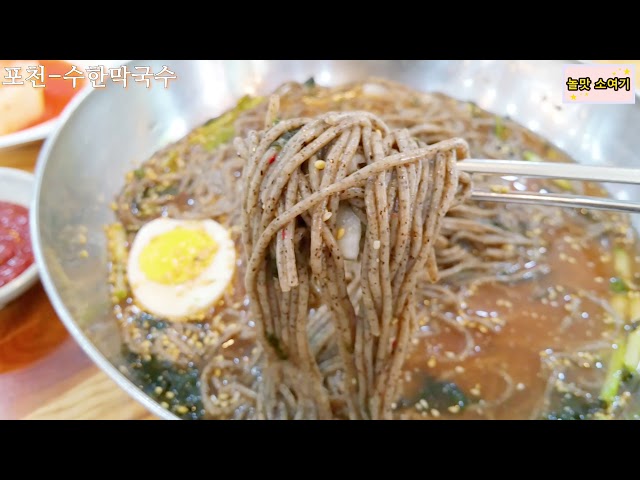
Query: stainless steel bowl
[{"x": 105, "y": 133}]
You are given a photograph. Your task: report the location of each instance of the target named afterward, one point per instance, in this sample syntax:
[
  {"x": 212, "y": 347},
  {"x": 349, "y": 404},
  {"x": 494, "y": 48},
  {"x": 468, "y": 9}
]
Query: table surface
[{"x": 43, "y": 373}]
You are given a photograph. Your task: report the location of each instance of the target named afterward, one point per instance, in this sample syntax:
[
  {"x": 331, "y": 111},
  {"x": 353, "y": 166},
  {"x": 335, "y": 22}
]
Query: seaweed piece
[
  {"x": 176, "y": 388},
  {"x": 573, "y": 407}
]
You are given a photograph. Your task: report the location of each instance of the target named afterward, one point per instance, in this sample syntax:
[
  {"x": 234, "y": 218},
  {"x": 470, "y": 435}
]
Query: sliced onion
[
  {"x": 357, "y": 160},
  {"x": 350, "y": 241}
]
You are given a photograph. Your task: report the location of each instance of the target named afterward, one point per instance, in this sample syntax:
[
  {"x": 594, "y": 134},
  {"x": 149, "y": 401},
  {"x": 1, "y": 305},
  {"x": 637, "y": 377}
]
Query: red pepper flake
[
  {"x": 284, "y": 234},
  {"x": 273, "y": 159}
]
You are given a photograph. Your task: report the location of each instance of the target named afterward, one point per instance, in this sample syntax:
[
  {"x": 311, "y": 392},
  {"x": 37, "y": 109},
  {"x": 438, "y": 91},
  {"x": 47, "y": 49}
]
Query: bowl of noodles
[{"x": 293, "y": 240}]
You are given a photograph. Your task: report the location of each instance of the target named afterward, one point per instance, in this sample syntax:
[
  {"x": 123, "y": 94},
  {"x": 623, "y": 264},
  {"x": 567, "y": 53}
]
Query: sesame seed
[
  {"x": 164, "y": 405},
  {"x": 84, "y": 254},
  {"x": 158, "y": 390},
  {"x": 520, "y": 387},
  {"x": 431, "y": 363},
  {"x": 340, "y": 234},
  {"x": 459, "y": 369},
  {"x": 320, "y": 164},
  {"x": 228, "y": 343},
  {"x": 435, "y": 413},
  {"x": 169, "y": 395},
  {"x": 454, "y": 408},
  {"x": 475, "y": 392},
  {"x": 376, "y": 245},
  {"x": 182, "y": 409},
  {"x": 326, "y": 216}
]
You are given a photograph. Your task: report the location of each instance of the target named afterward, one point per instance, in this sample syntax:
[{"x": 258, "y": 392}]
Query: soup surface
[{"x": 533, "y": 316}]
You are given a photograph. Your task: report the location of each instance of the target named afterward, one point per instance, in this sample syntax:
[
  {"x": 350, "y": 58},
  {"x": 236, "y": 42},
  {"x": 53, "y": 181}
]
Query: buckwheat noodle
[{"x": 403, "y": 188}]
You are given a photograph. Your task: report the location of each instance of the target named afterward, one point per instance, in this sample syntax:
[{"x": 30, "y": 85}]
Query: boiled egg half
[{"x": 179, "y": 268}]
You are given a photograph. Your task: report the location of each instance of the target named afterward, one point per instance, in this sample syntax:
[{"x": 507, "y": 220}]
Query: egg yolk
[{"x": 177, "y": 256}]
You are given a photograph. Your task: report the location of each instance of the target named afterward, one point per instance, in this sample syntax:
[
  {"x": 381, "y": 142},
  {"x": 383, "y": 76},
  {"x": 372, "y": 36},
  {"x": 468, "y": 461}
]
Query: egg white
[{"x": 184, "y": 301}]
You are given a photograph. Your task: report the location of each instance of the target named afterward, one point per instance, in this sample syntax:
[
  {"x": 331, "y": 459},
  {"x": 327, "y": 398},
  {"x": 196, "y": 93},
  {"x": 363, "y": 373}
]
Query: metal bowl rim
[
  {"x": 61, "y": 310},
  {"x": 47, "y": 282}
]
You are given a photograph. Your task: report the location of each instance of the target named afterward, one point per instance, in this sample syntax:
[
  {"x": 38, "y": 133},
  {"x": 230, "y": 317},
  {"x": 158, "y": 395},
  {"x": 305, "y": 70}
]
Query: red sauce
[
  {"x": 15, "y": 242},
  {"x": 57, "y": 91}
]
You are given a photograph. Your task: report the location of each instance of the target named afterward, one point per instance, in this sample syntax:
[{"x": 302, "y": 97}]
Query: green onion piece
[
  {"x": 172, "y": 162},
  {"x": 220, "y": 130},
  {"x": 632, "y": 354},
  {"x": 500, "y": 130},
  {"x": 620, "y": 304},
  {"x": 614, "y": 374},
  {"x": 622, "y": 264},
  {"x": 530, "y": 156},
  {"x": 617, "y": 285},
  {"x": 120, "y": 295},
  {"x": 634, "y": 306}
]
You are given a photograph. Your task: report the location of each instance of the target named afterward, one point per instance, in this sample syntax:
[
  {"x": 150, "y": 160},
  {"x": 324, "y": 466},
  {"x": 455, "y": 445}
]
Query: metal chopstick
[
  {"x": 565, "y": 171},
  {"x": 558, "y": 200}
]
